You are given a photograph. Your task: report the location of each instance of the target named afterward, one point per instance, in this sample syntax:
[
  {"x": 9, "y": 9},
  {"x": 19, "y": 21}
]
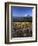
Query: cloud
[{"x": 26, "y": 15}]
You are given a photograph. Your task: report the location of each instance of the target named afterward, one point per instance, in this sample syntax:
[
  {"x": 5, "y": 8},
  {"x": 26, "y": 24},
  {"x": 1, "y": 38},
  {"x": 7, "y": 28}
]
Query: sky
[{"x": 21, "y": 11}]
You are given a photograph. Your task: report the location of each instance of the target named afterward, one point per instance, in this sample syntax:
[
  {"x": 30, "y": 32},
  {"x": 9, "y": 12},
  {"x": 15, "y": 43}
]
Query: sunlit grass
[{"x": 22, "y": 24}]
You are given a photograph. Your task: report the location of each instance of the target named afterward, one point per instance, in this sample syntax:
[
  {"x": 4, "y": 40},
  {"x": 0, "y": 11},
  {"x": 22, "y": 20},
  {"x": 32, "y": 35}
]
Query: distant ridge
[{"x": 21, "y": 19}]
